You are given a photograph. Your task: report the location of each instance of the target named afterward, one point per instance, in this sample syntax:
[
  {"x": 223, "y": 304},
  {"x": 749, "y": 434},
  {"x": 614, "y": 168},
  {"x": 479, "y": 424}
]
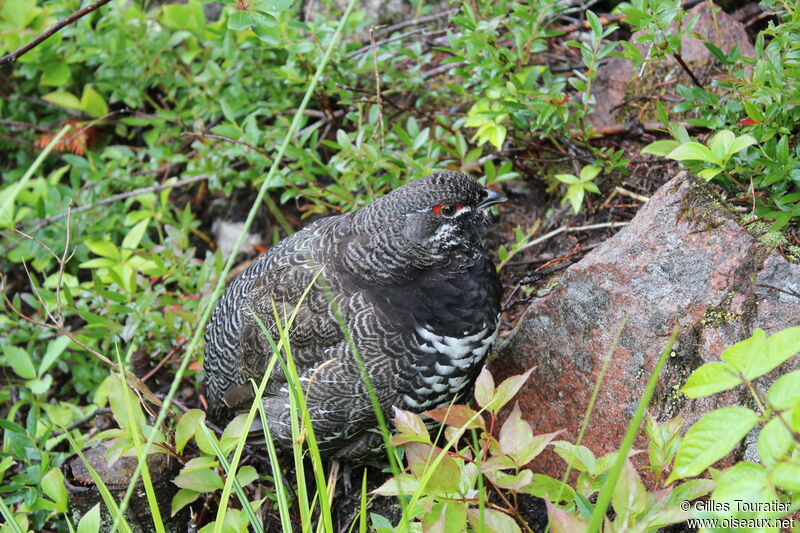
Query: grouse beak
[{"x": 492, "y": 197}]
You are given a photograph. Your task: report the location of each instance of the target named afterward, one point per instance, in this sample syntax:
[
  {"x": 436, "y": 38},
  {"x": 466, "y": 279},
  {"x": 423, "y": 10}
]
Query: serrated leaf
[
  {"x": 711, "y": 378},
  {"x": 774, "y": 441},
  {"x": 579, "y": 457},
  {"x": 494, "y": 521},
  {"x": 408, "y": 422},
  {"x": 785, "y": 392},
  {"x": 484, "y": 387},
  {"x": 459, "y": 416},
  {"x": 710, "y": 439},
  {"x": 758, "y": 354},
  {"x": 513, "y": 482},
  {"x": 507, "y": 390},
  {"x": 564, "y": 522},
  {"x": 20, "y": 362}
]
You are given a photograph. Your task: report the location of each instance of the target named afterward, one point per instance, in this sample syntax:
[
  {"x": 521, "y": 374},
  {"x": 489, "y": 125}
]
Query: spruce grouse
[{"x": 412, "y": 285}]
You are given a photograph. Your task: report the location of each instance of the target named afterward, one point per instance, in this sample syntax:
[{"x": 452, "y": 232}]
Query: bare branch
[{"x": 13, "y": 56}]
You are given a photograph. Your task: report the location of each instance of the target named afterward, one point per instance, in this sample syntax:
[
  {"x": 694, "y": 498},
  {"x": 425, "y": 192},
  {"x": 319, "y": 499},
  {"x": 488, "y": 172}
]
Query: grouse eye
[{"x": 447, "y": 210}]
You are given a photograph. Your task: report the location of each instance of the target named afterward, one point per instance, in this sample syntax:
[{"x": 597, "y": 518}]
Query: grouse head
[{"x": 433, "y": 215}]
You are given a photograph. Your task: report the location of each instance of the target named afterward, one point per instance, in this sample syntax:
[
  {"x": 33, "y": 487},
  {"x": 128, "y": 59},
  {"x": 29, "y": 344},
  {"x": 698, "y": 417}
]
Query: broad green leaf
[
  {"x": 516, "y": 438},
  {"x": 53, "y": 485},
  {"x": 267, "y": 29},
  {"x": 202, "y": 462},
  {"x": 689, "y": 491},
  {"x": 246, "y": 475},
  {"x": 272, "y": 6},
  {"x": 119, "y": 408},
  {"x": 93, "y": 103},
  {"x": 720, "y": 143},
  {"x": 408, "y": 422},
  {"x": 19, "y": 361},
  {"x": 134, "y": 236},
  {"x": 205, "y": 480},
  {"x": 740, "y": 143},
  {"x": 63, "y": 99},
  {"x": 513, "y": 482},
  {"x": 786, "y": 475},
  {"x": 709, "y": 174},
  {"x": 691, "y": 151},
  {"x": 183, "y": 498},
  {"x": 660, "y": 148},
  {"x": 575, "y": 195},
  {"x": 785, "y": 392},
  {"x": 104, "y": 249},
  {"x": 589, "y": 172},
  {"x": 240, "y": 20},
  {"x": 41, "y": 385},
  {"x": 758, "y": 355},
  {"x": 54, "y": 350},
  {"x": 549, "y": 488},
  {"x": 710, "y": 439},
  {"x": 711, "y": 378},
  {"x": 494, "y": 521},
  {"x": 569, "y": 179},
  {"x": 579, "y": 457},
  {"x": 744, "y": 481},
  {"x": 445, "y": 517},
  {"x": 19, "y": 13},
  {"x": 90, "y": 522},
  {"x": 186, "y": 427},
  {"x": 774, "y": 441},
  {"x": 55, "y": 74}
]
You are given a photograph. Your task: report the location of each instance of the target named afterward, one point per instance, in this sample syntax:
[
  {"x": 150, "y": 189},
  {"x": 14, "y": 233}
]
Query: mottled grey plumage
[{"x": 418, "y": 295}]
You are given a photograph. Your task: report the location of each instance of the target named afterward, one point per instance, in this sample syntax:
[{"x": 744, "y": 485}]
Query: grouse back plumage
[{"x": 406, "y": 279}]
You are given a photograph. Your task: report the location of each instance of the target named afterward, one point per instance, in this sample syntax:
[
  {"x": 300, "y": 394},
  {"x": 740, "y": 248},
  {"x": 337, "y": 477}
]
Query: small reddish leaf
[
  {"x": 497, "y": 462},
  {"x": 513, "y": 482},
  {"x": 508, "y": 389},
  {"x": 748, "y": 122},
  {"x": 562, "y": 521},
  {"x": 408, "y": 422},
  {"x": 493, "y": 521},
  {"x": 484, "y": 388},
  {"x": 459, "y": 416}
]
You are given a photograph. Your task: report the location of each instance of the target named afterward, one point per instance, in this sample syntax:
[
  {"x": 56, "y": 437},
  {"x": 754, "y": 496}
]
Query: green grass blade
[
  {"x": 200, "y": 327},
  {"x": 604, "y": 498},
  {"x": 11, "y": 520},
  {"x": 152, "y": 501},
  {"x": 280, "y": 490},
  {"x": 115, "y": 510}
]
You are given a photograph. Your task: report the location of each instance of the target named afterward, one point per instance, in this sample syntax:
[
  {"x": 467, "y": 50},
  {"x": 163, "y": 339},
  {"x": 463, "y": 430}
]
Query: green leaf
[
  {"x": 63, "y": 99},
  {"x": 116, "y": 398},
  {"x": 53, "y": 485},
  {"x": 786, "y": 475},
  {"x": 54, "y": 350},
  {"x": 93, "y": 103},
  {"x": 740, "y": 143},
  {"x": 445, "y": 517},
  {"x": 240, "y": 20},
  {"x": 711, "y": 378},
  {"x": 41, "y": 385},
  {"x": 394, "y": 486},
  {"x": 272, "y": 6},
  {"x": 90, "y": 522},
  {"x": 709, "y": 174},
  {"x": 774, "y": 441},
  {"x": 55, "y": 74},
  {"x": 134, "y": 236},
  {"x": 785, "y": 392},
  {"x": 758, "y": 355},
  {"x": 579, "y": 457},
  {"x": 569, "y": 179},
  {"x": 589, "y": 172},
  {"x": 183, "y": 498},
  {"x": 205, "y": 480},
  {"x": 267, "y": 29},
  {"x": 104, "y": 249},
  {"x": 19, "y": 361},
  {"x": 689, "y": 491},
  {"x": 186, "y": 427},
  {"x": 246, "y": 475},
  {"x": 575, "y": 195},
  {"x": 549, "y": 488},
  {"x": 691, "y": 151},
  {"x": 720, "y": 143},
  {"x": 710, "y": 439},
  {"x": 516, "y": 438}
]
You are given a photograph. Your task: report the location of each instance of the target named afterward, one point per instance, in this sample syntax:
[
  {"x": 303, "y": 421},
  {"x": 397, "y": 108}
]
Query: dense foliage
[{"x": 121, "y": 133}]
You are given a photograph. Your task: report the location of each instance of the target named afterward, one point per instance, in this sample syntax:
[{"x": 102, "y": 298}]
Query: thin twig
[
  {"x": 567, "y": 229},
  {"x": 415, "y": 22},
  {"x": 13, "y": 56},
  {"x": 423, "y": 31},
  {"x": 377, "y": 85},
  {"x": 166, "y": 358}
]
